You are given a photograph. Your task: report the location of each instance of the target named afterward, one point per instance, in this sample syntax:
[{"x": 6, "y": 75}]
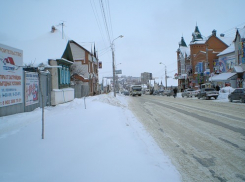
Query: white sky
[{"x": 151, "y": 29}]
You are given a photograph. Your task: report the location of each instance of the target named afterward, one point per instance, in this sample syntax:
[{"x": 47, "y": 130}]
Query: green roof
[{"x": 182, "y": 42}]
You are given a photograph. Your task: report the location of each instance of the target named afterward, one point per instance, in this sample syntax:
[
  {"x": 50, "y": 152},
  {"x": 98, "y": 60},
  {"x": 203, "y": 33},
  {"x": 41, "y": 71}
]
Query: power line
[
  {"x": 109, "y": 14},
  {"x": 105, "y": 22},
  {"x": 97, "y": 20}
]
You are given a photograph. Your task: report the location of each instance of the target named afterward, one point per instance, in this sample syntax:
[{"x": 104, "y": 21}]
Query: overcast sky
[{"x": 151, "y": 29}]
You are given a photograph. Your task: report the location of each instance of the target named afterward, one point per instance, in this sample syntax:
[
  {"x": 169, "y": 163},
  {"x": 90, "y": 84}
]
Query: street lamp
[
  {"x": 113, "y": 64},
  {"x": 165, "y": 74}
]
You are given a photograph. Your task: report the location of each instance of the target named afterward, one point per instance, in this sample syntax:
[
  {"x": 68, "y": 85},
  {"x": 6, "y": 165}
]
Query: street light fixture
[
  {"x": 166, "y": 77},
  {"x": 113, "y": 64}
]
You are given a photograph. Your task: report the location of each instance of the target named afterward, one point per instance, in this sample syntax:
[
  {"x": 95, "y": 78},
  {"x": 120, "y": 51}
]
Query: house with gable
[
  {"x": 86, "y": 82},
  {"x": 231, "y": 63},
  {"x": 203, "y": 54}
]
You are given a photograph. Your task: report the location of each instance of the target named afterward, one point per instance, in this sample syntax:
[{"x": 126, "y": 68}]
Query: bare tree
[{"x": 78, "y": 69}]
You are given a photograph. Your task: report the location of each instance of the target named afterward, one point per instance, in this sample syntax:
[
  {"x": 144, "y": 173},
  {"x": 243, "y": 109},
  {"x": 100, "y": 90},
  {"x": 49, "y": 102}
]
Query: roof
[
  {"x": 227, "y": 40},
  {"x": 238, "y": 69},
  {"x": 182, "y": 42},
  {"x": 242, "y": 32},
  {"x": 228, "y": 50},
  {"x": 40, "y": 50},
  {"x": 184, "y": 50},
  {"x": 222, "y": 77}
]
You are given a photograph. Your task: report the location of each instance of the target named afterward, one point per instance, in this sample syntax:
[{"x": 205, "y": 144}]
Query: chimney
[
  {"x": 214, "y": 32},
  {"x": 222, "y": 35},
  {"x": 53, "y": 29}
]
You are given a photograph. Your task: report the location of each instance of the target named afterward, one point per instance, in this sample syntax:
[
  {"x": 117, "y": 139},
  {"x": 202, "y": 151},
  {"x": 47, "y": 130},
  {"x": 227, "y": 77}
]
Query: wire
[
  {"x": 97, "y": 20},
  {"x": 105, "y": 22},
  {"x": 109, "y": 14}
]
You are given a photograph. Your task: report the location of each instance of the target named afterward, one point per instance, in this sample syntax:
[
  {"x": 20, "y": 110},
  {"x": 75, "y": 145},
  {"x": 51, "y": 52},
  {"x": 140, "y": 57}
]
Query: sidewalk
[{"x": 102, "y": 143}]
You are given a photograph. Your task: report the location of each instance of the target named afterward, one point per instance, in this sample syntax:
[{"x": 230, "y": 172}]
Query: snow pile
[{"x": 103, "y": 142}]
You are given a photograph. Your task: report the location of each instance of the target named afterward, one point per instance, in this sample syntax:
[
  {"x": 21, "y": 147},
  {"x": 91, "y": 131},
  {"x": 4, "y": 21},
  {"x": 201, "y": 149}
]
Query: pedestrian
[
  {"x": 175, "y": 91},
  {"x": 217, "y": 88}
]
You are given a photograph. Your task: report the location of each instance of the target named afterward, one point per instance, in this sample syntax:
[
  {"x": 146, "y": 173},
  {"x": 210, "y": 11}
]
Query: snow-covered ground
[{"x": 96, "y": 140}]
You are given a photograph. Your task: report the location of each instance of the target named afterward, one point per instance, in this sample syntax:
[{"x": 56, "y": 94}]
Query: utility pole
[
  {"x": 113, "y": 65},
  {"x": 113, "y": 69},
  {"x": 40, "y": 86},
  {"x": 166, "y": 77}
]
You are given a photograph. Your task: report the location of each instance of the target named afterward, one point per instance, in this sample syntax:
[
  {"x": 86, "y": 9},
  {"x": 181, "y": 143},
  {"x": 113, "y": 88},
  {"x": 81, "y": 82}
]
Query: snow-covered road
[{"x": 205, "y": 139}]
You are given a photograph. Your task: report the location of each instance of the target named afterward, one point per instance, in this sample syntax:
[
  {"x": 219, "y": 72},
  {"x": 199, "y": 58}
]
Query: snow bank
[{"x": 103, "y": 142}]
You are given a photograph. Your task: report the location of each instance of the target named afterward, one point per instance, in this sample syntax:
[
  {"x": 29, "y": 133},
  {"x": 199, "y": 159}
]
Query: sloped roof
[
  {"x": 238, "y": 69},
  {"x": 39, "y": 50},
  {"x": 242, "y": 32},
  {"x": 182, "y": 42},
  {"x": 222, "y": 77},
  {"x": 228, "y": 50},
  {"x": 185, "y": 50}
]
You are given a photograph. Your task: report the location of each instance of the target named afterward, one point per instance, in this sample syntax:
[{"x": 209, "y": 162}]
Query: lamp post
[
  {"x": 113, "y": 64},
  {"x": 165, "y": 74}
]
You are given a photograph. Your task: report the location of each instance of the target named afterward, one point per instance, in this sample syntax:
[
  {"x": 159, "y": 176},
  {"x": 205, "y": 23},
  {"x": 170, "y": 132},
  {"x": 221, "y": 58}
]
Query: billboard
[
  {"x": 10, "y": 76},
  {"x": 31, "y": 88}
]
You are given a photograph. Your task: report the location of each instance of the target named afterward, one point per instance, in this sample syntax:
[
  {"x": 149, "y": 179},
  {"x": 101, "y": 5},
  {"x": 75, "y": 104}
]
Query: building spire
[
  {"x": 182, "y": 42},
  {"x": 196, "y": 35}
]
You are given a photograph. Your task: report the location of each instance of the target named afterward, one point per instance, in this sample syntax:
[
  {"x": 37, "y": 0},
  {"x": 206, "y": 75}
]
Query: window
[{"x": 64, "y": 75}]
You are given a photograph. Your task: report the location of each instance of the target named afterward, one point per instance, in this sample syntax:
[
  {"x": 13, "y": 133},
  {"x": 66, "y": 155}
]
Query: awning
[
  {"x": 238, "y": 69},
  {"x": 222, "y": 77}
]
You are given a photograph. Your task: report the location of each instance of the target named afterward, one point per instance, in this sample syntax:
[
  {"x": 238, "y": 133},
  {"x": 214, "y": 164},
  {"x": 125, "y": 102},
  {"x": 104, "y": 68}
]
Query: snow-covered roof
[
  {"x": 242, "y": 32},
  {"x": 227, "y": 40},
  {"x": 238, "y": 69},
  {"x": 228, "y": 50},
  {"x": 222, "y": 77},
  {"x": 185, "y": 50},
  {"x": 198, "y": 42},
  {"x": 48, "y": 46}
]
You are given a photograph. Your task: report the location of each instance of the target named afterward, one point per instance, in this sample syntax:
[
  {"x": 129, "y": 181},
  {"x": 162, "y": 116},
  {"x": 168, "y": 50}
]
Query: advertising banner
[
  {"x": 31, "y": 88},
  {"x": 10, "y": 76}
]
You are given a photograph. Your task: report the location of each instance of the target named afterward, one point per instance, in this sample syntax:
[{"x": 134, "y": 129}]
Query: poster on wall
[
  {"x": 31, "y": 88},
  {"x": 243, "y": 51},
  {"x": 10, "y": 76}
]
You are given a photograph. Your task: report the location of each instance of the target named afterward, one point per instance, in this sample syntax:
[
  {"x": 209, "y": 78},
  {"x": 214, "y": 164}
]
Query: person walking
[{"x": 175, "y": 92}]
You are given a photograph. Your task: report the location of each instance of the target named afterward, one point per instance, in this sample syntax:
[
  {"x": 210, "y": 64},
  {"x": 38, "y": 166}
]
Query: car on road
[
  {"x": 155, "y": 92},
  {"x": 188, "y": 93},
  {"x": 126, "y": 92},
  {"x": 208, "y": 93},
  {"x": 167, "y": 93},
  {"x": 237, "y": 94}
]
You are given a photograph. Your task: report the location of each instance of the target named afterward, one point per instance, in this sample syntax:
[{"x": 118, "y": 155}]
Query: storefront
[{"x": 224, "y": 79}]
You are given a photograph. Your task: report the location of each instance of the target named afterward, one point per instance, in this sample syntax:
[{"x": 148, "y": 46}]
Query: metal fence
[
  {"x": 45, "y": 82},
  {"x": 81, "y": 90}
]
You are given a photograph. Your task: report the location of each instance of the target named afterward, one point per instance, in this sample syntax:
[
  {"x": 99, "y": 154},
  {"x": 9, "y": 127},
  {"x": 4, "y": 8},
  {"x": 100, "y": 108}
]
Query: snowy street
[
  {"x": 103, "y": 142},
  {"x": 203, "y": 138}
]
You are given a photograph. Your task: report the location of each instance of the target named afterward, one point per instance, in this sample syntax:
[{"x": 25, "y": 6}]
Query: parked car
[
  {"x": 237, "y": 94},
  {"x": 196, "y": 92},
  {"x": 167, "y": 93},
  {"x": 188, "y": 93},
  {"x": 155, "y": 92},
  {"x": 208, "y": 93},
  {"x": 126, "y": 92}
]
